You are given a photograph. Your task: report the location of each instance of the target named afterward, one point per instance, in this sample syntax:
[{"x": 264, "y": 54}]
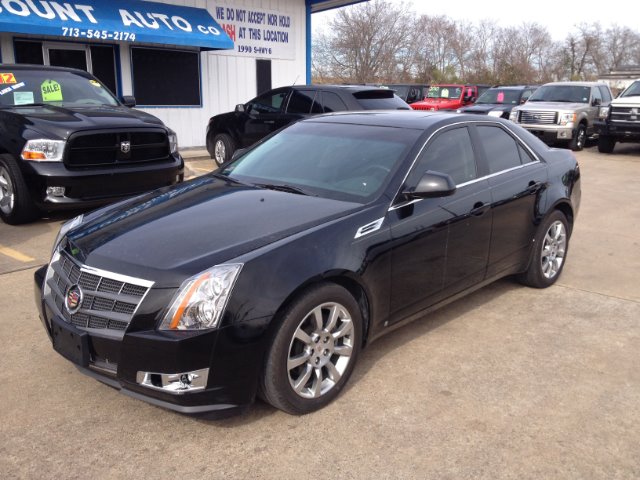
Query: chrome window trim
[{"x": 536, "y": 160}]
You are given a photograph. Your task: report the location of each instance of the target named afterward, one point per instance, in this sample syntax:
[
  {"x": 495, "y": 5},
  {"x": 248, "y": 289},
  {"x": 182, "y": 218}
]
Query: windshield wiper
[
  {"x": 25, "y": 105},
  {"x": 282, "y": 188}
]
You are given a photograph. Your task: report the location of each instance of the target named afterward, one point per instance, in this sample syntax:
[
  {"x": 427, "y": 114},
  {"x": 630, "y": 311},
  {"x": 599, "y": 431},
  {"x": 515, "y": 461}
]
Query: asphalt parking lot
[{"x": 509, "y": 382}]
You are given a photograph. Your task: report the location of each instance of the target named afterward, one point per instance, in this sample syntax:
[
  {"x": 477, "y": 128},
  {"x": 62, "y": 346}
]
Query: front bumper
[
  {"x": 233, "y": 363},
  {"x": 89, "y": 188},
  {"x": 620, "y": 130},
  {"x": 550, "y": 133}
]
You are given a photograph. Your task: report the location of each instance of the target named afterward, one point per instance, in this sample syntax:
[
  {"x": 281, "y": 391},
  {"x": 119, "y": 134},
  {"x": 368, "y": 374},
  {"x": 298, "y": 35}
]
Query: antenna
[{"x": 296, "y": 80}]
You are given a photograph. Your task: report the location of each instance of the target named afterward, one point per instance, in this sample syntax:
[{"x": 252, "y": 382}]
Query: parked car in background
[
  {"x": 563, "y": 112},
  {"x": 620, "y": 120},
  {"x": 66, "y": 143},
  {"x": 277, "y": 108},
  {"x": 499, "y": 101},
  {"x": 449, "y": 97},
  {"x": 270, "y": 275},
  {"x": 409, "y": 92}
]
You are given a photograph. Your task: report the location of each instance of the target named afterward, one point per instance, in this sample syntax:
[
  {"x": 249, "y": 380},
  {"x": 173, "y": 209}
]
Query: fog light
[
  {"x": 176, "y": 383},
  {"x": 55, "y": 191},
  {"x": 562, "y": 134}
]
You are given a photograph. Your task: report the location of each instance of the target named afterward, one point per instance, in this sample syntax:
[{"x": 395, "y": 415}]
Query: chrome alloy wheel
[
  {"x": 219, "y": 152},
  {"x": 7, "y": 197},
  {"x": 320, "y": 350},
  {"x": 554, "y": 247},
  {"x": 582, "y": 138}
]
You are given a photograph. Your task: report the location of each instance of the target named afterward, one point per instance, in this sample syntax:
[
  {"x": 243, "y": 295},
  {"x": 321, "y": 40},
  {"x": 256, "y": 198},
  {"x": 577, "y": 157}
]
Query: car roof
[
  {"x": 416, "y": 119},
  {"x": 578, "y": 84},
  {"x": 350, "y": 88},
  {"x": 40, "y": 68}
]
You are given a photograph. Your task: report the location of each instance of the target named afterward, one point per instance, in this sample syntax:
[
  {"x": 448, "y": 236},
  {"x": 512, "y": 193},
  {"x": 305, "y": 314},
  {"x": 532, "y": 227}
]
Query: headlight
[
  {"x": 495, "y": 113},
  {"x": 43, "y": 150},
  {"x": 567, "y": 118},
  {"x": 459, "y": 110},
  {"x": 173, "y": 141},
  {"x": 513, "y": 116},
  {"x": 603, "y": 112},
  {"x": 202, "y": 299},
  {"x": 64, "y": 229}
]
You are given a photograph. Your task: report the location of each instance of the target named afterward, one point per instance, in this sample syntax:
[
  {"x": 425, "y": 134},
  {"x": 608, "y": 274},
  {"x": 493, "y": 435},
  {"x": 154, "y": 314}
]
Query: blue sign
[{"x": 115, "y": 20}]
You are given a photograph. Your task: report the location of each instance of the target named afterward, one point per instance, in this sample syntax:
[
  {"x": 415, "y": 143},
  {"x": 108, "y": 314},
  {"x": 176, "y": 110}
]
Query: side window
[
  {"x": 525, "y": 95},
  {"x": 606, "y": 95},
  {"x": 301, "y": 101},
  {"x": 525, "y": 156},
  {"x": 451, "y": 153},
  {"x": 332, "y": 102},
  {"x": 268, "y": 103},
  {"x": 595, "y": 94},
  {"x": 500, "y": 148}
]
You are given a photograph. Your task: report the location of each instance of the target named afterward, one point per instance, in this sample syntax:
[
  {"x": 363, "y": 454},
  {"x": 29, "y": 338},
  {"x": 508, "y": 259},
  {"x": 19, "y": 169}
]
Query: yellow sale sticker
[
  {"x": 51, "y": 91},
  {"x": 7, "y": 78}
]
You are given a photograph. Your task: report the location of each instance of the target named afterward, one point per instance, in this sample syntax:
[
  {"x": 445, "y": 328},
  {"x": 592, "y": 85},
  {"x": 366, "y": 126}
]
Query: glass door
[{"x": 68, "y": 55}]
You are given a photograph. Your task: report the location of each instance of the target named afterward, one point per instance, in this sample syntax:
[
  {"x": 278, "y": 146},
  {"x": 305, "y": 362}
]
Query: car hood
[
  {"x": 438, "y": 102},
  {"x": 546, "y": 106},
  {"x": 62, "y": 121},
  {"x": 173, "y": 233}
]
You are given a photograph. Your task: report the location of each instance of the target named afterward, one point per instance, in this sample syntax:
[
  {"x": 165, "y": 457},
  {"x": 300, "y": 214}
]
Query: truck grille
[
  {"x": 117, "y": 148},
  {"x": 108, "y": 300},
  {"x": 625, "y": 114},
  {"x": 537, "y": 118}
]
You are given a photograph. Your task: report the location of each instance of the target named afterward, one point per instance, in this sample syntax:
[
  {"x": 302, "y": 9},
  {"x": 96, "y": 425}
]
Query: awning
[
  {"x": 131, "y": 21},
  {"x": 324, "y": 5}
]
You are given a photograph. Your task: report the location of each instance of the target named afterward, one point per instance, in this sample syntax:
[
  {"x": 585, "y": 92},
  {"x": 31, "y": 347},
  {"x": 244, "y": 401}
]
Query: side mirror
[
  {"x": 238, "y": 153},
  {"x": 240, "y": 108},
  {"x": 432, "y": 185},
  {"x": 128, "y": 101},
  {"x": 596, "y": 102}
]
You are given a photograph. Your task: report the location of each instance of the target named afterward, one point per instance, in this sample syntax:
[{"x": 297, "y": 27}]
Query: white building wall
[{"x": 228, "y": 80}]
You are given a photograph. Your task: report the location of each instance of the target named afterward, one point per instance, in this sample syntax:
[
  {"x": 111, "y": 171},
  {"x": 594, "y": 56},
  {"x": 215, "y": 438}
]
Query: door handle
[
  {"x": 270, "y": 122},
  {"x": 479, "y": 208},
  {"x": 534, "y": 187}
]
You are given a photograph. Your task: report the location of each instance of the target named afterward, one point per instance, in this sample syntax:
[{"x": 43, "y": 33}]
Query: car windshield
[
  {"x": 444, "y": 91},
  {"x": 562, "y": 93},
  {"x": 51, "y": 87},
  {"x": 500, "y": 95},
  {"x": 632, "y": 91},
  {"x": 333, "y": 160}
]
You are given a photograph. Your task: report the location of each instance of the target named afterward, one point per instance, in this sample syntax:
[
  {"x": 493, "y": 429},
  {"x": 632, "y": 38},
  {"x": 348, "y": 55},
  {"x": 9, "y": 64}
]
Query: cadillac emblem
[
  {"x": 73, "y": 299},
  {"x": 125, "y": 147}
]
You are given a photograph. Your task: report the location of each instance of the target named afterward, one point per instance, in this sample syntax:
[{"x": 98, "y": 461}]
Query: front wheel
[
  {"x": 550, "y": 251},
  {"x": 223, "y": 148},
  {"x": 606, "y": 144},
  {"x": 314, "y": 350},
  {"x": 579, "y": 139},
  {"x": 16, "y": 205}
]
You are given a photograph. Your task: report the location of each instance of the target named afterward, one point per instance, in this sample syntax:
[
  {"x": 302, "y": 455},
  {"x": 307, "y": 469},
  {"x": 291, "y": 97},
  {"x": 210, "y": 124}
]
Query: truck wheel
[
  {"x": 223, "y": 148},
  {"x": 16, "y": 205},
  {"x": 606, "y": 144},
  {"x": 314, "y": 350},
  {"x": 579, "y": 139}
]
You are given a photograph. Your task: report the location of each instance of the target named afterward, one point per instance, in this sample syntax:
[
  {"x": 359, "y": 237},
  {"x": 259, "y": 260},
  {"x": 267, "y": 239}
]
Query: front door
[
  {"x": 262, "y": 115},
  {"x": 68, "y": 55}
]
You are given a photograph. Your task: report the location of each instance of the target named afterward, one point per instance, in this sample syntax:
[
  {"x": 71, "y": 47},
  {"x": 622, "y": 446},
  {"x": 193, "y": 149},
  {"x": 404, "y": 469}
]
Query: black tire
[
  {"x": 606, "y": 144},
  {"x": 16, "y": 205},
  {"x": 311, "y": 366},
  {"x": 223, "y": 148},
  {"x": 579, "y": 140},
  {"x": 548, "y": 257}
]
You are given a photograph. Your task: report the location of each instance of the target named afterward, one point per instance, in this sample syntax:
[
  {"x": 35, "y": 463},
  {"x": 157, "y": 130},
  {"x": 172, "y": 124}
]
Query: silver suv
[{"x": 563, "y": 112}]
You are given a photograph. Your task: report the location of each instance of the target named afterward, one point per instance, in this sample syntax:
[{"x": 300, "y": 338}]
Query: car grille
[
  {"x": 421, "y": 107},
  {"x": 625, "y": 114},
  {"x": 117, "y": 148},
  {"x": 537, "y": 118},
  {"x": 108, "y": 299}
]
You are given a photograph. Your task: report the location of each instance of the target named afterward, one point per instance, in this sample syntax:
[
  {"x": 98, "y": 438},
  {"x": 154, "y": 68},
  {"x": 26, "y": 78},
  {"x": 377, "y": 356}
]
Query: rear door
[
  {"x": 517, "y": 179},
  {"x": 302, "y": 104}
]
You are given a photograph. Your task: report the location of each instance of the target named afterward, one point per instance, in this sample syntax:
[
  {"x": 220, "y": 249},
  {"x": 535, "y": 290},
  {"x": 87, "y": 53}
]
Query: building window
[
  {"x": 26, "y": 51},
  {"x": 165, "y": 77}
]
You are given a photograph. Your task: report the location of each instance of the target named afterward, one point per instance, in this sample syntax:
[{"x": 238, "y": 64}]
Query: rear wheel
[
  {"x": 223, "y": 148},
  {"x": 314, "y": 351},
  {"x": 16, "y": 205},
  {"x": 550, "y": 251},
  {"x": 579, "y": 139},
  {"x": 606, "y": 144}
]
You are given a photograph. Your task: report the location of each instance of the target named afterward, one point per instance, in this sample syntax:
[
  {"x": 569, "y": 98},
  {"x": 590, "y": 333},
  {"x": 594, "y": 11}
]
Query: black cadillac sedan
[{"x": 269, "y": 276}]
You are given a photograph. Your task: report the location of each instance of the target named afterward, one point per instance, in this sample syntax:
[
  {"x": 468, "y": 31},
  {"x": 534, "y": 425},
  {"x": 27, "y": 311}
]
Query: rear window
[{"x": 380, "y": 100}]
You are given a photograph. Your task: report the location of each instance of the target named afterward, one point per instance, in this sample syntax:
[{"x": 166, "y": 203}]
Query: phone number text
[{"x": 98, "y": 34}]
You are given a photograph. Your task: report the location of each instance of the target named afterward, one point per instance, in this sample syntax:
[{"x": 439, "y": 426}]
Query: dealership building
[{"x": 183, "y": 60}]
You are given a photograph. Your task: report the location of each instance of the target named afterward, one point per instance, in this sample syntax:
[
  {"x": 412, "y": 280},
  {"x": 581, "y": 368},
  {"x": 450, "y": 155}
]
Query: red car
[{"x": 449, "y": 97}]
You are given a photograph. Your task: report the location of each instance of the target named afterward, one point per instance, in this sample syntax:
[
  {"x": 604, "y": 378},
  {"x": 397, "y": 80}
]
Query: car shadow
[{"x": 376, "y": 352}]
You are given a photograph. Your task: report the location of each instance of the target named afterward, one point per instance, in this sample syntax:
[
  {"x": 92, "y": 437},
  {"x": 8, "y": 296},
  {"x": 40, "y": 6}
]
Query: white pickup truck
[{"x": 620, "y": 121}]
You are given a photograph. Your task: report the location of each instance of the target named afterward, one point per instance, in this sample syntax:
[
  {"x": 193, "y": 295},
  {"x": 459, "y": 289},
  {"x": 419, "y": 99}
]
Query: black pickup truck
[{"x": 66, "y": 142}]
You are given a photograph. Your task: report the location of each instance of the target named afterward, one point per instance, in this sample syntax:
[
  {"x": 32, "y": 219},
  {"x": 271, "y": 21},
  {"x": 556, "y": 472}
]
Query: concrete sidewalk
[{"x": 197, "y": 161}]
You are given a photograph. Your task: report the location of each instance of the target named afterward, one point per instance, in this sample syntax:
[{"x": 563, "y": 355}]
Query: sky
[{"x": 559, "y": 16}]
